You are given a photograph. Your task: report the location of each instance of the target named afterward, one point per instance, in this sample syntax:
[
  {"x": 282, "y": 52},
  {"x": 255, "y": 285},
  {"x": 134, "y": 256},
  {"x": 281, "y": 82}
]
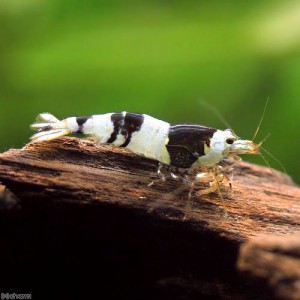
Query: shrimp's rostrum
[{"x": 186, "y": 150}]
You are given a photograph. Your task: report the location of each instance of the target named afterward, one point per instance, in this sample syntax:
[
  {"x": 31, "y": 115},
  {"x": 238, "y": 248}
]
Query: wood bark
[
  {"x": 276, "y": 261},
  {"x": 99, "y": 195}
]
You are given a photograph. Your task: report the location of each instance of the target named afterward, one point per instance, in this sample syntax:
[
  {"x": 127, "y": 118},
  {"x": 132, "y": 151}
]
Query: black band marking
[
  {"x": 125, "y": 126},
  {"x": 186, "y": 143},
  {"x": 118, "y": 120},
  {"x": 81, "y": 121},
  {"x": 133, "y": 122}
]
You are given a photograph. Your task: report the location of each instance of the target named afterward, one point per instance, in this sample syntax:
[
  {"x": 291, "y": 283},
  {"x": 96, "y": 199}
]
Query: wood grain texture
[
  {"x": 263, "y": 201},
  {"x": 102, "y": 194},
  {"x": 276, "y": 261}
]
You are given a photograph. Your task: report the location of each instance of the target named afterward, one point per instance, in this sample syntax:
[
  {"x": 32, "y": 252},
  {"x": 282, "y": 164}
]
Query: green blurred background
[{"x": 163, "y": 58}]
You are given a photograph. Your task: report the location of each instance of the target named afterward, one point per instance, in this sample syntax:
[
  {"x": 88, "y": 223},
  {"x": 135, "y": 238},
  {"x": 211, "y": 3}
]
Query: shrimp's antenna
[
  {"x": 270, "y": 154},
  {"x": 264, "y": 159},
  {"x": 261, "y": 119},
  {"x": 263, "y": 140},
  {"x": 276, "y": 159},
  {"x": 266, "y": 162},
  {"x": 217, "y": 113}
]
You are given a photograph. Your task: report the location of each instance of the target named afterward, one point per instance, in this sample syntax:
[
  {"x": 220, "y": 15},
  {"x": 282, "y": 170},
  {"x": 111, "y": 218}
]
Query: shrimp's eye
[{"x": 230, "y": 141}]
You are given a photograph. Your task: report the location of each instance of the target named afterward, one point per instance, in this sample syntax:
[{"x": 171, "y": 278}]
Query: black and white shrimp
[{"x": 205, "y": 152}]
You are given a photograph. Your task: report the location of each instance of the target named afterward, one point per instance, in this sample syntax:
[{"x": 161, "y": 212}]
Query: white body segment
[
  {"x": 151, "y": 139},
  {"x": 98, "y": 126},
  {"x": 101, "y": 127}
]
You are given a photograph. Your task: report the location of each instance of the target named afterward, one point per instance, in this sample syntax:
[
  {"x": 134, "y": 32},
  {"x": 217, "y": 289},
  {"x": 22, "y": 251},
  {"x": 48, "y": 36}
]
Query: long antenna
[
  {"x": 216, "y": 112},
  {"x": 263, "y": 140},
  {"x": 267, "y": 163},
  {"x": 276, "y": 159},
  {"x": 261, "y": 119}
]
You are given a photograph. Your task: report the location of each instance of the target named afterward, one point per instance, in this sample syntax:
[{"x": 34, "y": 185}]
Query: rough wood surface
[
  {"x": 263, "y": 201},
  {"x": 102, "y": 194},
  {"x": 275, "y": 260}
]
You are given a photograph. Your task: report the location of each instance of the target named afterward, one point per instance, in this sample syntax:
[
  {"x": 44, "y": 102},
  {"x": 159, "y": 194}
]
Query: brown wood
[
  {"x": 276, "y": 261},
  {"x": 263, "y": 201},
  {"x": 105, "y": 183}
]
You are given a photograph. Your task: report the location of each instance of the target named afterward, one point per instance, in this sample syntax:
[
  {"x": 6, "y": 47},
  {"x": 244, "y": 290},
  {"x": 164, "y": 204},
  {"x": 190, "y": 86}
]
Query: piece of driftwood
[
  {"x": 276, "y": 261},
  {"x": 91, "y": 208}
]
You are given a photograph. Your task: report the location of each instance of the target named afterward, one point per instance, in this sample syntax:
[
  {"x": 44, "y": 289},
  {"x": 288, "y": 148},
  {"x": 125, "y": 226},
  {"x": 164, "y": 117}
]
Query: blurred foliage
[{"x": 156, "y": 57}]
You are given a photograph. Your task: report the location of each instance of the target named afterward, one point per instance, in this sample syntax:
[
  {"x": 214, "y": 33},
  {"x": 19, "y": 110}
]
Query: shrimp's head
[
  {"x": 243, "y": 147},
  {"x": 235, "y": 145}
]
